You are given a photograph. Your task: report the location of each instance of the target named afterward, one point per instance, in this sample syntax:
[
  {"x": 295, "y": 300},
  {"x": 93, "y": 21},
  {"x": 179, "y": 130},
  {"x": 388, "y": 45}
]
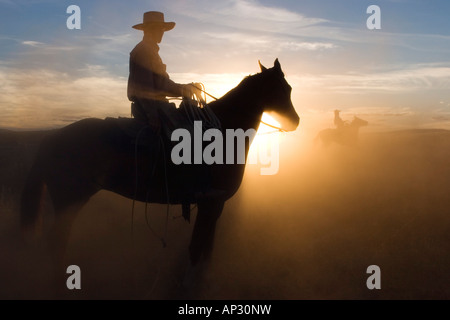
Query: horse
[
  {"x": 346, "y": 134},
  {"x": 75, "y": 162}
]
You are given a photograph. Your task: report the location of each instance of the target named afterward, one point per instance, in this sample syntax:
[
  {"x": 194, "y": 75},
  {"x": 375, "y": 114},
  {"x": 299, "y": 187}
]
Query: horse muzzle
[{"x": 290, "y": 121}]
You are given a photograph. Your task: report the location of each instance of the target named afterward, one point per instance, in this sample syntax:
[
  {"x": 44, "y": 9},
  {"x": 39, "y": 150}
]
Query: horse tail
[{"x": 31, "y": 201}]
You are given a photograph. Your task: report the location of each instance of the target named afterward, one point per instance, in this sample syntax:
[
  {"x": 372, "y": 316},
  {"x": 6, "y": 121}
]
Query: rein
[{"x": 278, "y": 129}]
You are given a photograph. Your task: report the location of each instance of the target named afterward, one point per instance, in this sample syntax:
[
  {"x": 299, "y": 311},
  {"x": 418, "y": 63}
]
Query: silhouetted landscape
[{"x": 309, "y": 232}]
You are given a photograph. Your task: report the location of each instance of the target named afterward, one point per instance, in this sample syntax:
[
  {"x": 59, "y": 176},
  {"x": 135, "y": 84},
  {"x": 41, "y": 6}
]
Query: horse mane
[
  {"x": 250, "y": 81},
  {"x": 253, "y": 80}
]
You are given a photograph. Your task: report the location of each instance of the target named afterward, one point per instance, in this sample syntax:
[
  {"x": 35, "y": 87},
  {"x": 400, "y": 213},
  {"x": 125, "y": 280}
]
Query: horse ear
[
  {"x": 261, "y": 66},
  {"x": 277, "y": 67},
  {"x": 276, "y": 64}
]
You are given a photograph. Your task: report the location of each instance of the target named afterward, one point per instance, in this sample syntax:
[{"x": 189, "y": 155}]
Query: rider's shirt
[{"x": 148, "y": 78}]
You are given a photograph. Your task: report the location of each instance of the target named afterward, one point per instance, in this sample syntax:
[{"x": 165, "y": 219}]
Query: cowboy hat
[{"x": 153, "y": 19}]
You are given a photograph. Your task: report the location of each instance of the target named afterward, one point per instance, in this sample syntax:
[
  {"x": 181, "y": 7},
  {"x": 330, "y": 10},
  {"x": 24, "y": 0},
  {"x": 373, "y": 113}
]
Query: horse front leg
[
  {"x": 202, "y": 240},
  {"x": 204, "y": 229}
]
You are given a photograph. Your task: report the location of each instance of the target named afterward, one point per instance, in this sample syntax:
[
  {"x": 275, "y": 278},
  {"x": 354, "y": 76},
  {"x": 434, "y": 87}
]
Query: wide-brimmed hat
[{"x": 154, "y": 19}]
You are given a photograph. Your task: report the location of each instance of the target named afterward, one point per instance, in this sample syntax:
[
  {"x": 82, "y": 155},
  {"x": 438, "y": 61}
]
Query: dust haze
[{"x": 308, "y": 232}]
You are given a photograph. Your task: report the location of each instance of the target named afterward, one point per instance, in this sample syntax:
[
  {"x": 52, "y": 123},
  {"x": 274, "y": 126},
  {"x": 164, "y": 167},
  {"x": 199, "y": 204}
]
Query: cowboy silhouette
[{"x": 149, "y": 85}]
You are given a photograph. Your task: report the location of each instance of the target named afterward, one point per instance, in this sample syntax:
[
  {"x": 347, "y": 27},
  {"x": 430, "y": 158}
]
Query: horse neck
[{"x": 240, "y": 108}]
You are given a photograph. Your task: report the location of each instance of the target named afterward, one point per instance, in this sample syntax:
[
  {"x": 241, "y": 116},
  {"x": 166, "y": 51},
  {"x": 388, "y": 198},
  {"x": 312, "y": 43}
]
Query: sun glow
[
  {"x": 265, "y": 129},
  {"x": 266, "y": 135},
  {"x": 264, "y": 151}
]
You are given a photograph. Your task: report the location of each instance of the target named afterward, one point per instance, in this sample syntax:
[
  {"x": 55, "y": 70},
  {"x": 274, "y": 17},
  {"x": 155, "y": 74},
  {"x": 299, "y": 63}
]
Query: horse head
[
  {"x": 277, "y": 97},
  {"x": 358, "y": 122}
]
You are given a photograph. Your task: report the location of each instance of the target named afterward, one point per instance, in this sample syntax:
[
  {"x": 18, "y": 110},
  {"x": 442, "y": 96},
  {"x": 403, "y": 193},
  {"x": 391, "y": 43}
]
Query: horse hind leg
[
  {"x": 31, "y": 204},
  {"x": 51, "y": 242},
  {"x": 59, "y": 234},
  {"x": 67, "y": 202},
  {"x": 57, "y": 241}
]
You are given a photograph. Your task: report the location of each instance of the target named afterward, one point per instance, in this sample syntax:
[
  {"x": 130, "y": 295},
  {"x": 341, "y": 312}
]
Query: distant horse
[
  {"x": 346, "y": 134},
  {"x": 77, "y": 161}
]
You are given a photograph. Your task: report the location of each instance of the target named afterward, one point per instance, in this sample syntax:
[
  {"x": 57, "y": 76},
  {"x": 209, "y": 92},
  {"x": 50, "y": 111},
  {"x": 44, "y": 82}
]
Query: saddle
[
  {"x": 171, "y": 118},
  {"x": 184, "y": 117},
  {"x": 139, "y": 132}
]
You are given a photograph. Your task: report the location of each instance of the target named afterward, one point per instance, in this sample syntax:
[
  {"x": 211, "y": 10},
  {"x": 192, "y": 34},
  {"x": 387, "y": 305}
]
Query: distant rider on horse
[{"x": 338, "y": 122}]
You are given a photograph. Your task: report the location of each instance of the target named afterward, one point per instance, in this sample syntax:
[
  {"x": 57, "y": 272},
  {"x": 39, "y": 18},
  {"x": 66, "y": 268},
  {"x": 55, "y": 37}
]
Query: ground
[{"x": 309, "y": 232}]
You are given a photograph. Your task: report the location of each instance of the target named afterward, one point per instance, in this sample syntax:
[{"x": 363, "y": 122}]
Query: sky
[{"x": 395, "y": 77}]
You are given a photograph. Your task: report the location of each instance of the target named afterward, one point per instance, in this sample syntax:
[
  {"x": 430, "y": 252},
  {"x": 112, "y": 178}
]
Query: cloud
[
  {"x": 420, "y": 77},
  {"x": 247, "y": 15},
  {"x": 254, "y": 15},
  {"x": 33, "y": 43},
  {"x": 308, "y": 46},
  {"x": 43, "y": 98},
  {"x": 37, "y": 47},
  {"x": 253, "y": 19},
  {"x": 267, "y": 41},
  {"x": 230, "y": 35},
  {"x": 441, "y": 118},
  {"x": 70, "y": 55},
  {"x": 240, "y": 43}
]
